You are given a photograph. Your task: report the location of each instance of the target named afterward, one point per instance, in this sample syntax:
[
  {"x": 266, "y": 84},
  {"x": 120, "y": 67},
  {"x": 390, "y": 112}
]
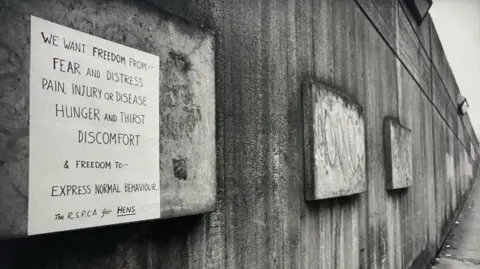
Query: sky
[{"x": 458, "y": 26}]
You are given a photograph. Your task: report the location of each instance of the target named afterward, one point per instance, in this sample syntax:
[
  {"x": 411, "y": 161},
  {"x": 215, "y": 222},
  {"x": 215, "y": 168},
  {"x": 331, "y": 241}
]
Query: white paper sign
[{"x": 94, "y": 131}]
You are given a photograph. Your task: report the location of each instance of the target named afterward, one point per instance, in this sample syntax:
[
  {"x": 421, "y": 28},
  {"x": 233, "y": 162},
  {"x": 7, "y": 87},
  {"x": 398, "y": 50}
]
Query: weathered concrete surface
[
  {"x": 462, "y": 246},
  {"x": 187, "y": 98},
  {"x": 334, "y": 143},
  {"x": 264, "y": 49},
  {"x": 398, "y": 155}
]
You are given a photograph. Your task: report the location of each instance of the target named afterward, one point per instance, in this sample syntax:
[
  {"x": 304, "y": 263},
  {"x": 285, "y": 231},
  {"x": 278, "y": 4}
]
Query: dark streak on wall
[{"x": 371, "y": 49}]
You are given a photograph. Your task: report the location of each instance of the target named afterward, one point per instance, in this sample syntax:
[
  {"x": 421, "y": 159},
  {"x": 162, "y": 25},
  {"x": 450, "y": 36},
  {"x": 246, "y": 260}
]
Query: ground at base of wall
[
  {"x": 462, "y": 247},
  {"x": 446, "y": 263}
]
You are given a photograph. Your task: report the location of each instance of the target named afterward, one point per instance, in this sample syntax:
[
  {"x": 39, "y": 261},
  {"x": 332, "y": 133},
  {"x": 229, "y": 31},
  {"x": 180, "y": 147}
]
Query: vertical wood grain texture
[
  {"x": 331, "y": 230},
  {"x": 256, "y": 224},
  {"x": 413, "y": 239},
  {"x": 422, "y": 30},
  {"x": 440, "y": 63},
  {"x": 407, "y": 94},
  {"x": 439, "y": 151},
  {"x": 347, "y": 21},
  {"x": 323, "y": 39},
  {"x": 264, "y": 227},
  {"x": 409, "y": 41},
  {"x": 438, "y": 94},
  {"x": 412, "y": 53},
  {"x": 363, "y": 29},
  {"x": 429, "y": 177},
  {"x": 380, "y": 102},
  {"x": 310, "y": 245},
  {"x": 438, "y": 56},
  {"x": 383, "y": 16},
  {"x": 371, "y": 50}
]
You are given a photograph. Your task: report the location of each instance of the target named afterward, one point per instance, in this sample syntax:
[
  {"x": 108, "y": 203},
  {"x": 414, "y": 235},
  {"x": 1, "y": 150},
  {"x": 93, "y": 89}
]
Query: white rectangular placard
[{"x": 94, "y": 131}]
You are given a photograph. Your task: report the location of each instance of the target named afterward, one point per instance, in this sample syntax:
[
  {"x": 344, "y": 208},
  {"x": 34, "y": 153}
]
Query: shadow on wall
[{"x": 94, "y": 248}]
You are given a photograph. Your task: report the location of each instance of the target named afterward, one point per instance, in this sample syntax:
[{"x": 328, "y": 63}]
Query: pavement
[{"x": 462, "y": 247}]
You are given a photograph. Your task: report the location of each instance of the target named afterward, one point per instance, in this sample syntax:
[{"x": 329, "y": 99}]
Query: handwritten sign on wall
[
  {"x": 398, "y": 155},
  {"x": 335, "y": 143},
  {"x": 94, "y": 131}
]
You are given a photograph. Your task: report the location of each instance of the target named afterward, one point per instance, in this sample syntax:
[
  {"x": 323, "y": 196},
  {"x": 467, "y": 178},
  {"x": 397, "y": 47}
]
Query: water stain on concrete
[
  {"x": 179, "y": 114},
  {"x": 180, "y": 168}
]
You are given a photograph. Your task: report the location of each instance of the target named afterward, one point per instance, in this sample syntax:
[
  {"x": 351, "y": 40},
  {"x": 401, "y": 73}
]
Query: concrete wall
[{"x": 371, "y": 50}]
